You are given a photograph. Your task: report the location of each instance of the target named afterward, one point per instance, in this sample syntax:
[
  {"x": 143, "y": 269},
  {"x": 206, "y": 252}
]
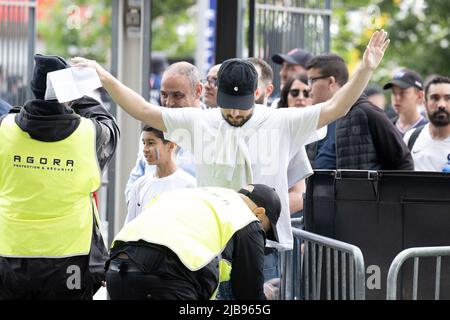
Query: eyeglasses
[
  {"x": 210, "y": 81},
  {"x": 312, "y": 80},
  {"x": 295, "y": 92}
]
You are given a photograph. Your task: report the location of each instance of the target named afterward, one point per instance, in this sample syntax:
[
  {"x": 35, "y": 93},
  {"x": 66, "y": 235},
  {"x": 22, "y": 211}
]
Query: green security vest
[
  {"x": 46, "y": 207},
  {"x": 196, "y": 224}
]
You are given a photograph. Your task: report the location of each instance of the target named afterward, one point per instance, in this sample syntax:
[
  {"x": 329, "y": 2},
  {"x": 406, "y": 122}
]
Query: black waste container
[{"x": 383, "y": 213}]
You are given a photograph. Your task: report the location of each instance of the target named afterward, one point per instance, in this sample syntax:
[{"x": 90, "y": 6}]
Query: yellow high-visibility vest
[
  {"x": 46, "y": 205},
  {"x": 195, "y": 223}
]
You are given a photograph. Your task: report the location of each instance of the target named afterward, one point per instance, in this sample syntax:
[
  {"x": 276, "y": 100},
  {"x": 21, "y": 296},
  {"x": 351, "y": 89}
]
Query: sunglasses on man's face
[{"x": 295, "y": 92}]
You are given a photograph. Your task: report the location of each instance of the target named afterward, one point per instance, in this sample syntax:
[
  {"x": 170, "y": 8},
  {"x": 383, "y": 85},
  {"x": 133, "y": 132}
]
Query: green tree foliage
[
  {"x": 83, "y": 27},
  {"x": 78, "y": 27},
  {"x": 418, "y": 29},
  {"x": 170, "y": 7},
  {"x": 174, "y": 28},
  {"x": 420, "y": 37}
]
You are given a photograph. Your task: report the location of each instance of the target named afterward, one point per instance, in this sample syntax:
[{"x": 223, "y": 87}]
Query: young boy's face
[{"x": 155, "y": 151}]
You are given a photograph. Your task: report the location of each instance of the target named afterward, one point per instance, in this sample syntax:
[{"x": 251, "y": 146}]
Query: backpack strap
[{"x": 413, "y": 137}]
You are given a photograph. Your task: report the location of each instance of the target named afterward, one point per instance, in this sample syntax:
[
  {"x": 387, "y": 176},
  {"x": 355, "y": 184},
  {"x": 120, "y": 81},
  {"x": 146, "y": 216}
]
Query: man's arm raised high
[
  {"x": 331, "y": 110},
  {"x": 346, "y": 96},
  {"x": 126, "y": 98}
]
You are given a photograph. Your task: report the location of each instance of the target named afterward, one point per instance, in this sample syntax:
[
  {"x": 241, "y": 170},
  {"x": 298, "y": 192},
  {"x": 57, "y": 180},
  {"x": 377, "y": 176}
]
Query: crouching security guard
[
  {"x": 187, "y": 241},
  {"x": 50, "y": 161}
]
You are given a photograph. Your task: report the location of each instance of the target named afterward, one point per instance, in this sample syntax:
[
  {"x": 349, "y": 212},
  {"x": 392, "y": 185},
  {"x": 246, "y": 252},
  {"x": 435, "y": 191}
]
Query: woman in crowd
[{"x": 295, "y": 93}]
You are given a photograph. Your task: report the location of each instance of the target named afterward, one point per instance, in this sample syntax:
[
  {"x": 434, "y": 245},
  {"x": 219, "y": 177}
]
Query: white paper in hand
[{"x": 71, "y": 84}]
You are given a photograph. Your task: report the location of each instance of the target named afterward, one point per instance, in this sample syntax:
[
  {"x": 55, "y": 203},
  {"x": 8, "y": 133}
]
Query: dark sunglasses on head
[{"x": 295, "y": 92}]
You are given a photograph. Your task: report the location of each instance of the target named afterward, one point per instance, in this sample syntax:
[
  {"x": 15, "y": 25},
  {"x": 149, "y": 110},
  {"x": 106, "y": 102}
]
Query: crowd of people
[{"x": 218, "y": 177}]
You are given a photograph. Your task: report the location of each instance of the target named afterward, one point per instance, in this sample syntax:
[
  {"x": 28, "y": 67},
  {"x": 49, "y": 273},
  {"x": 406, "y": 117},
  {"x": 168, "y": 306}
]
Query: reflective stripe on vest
[
  {"x": 46, "y": 207},
  {"x": 196, "y": 224}
]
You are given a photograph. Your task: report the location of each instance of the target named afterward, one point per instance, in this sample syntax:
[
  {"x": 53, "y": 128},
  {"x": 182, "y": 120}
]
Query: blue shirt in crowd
[
  {"x": 326, "y": 150},
  {"x": 4, "y": 107}
]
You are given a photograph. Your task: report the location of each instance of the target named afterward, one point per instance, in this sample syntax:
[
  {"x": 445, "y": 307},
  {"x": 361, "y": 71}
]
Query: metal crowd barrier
[
  {"x": 416, "y": 254},
  {"x": 301, "y": 272}
]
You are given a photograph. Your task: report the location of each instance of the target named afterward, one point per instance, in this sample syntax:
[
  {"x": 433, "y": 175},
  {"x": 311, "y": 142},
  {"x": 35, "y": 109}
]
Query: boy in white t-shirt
[{"x": 167, "y": 177}]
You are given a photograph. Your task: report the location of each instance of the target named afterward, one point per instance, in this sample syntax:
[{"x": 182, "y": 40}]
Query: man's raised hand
[
  {"x": 375, "y": 49},
  {"x": 83, "y": 62}
]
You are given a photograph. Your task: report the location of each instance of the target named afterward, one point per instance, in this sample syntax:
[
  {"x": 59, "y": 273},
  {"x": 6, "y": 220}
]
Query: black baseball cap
[
  {"x": 404, "y": 79},
  {"x": 295, "y": 56},
  {"x": 267, "y": 198},
  {"x": 237, "y": 81}
]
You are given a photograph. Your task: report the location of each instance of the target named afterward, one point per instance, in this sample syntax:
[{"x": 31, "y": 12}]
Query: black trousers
[
  {"x": 45, "y": 278},
  {"x": 141, "y": 272},
  {"x": 72, "y": 278},
  {"x": 125, "y": 282}
]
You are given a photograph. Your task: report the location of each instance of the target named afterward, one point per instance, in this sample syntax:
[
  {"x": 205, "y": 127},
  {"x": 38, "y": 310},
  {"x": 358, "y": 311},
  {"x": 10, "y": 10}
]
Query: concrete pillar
[{"x": 131, "y": 63}]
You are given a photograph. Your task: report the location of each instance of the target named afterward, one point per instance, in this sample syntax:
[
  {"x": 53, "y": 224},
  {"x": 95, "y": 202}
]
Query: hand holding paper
[{"x": 71, "y": 84}]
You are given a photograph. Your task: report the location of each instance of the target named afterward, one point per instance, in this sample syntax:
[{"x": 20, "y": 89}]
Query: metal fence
[
  {"x": 17, "y": 41},
  {"x": 322, "y": 268},
  {"x": 280, "y": 26},
  {"x": 416, "y": 254},
  {"x": 291, "y": 266}
]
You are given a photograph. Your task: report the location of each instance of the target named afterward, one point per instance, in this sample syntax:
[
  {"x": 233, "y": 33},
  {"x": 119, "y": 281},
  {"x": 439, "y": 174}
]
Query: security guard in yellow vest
[
  {"x": 187, "y": 241},
  {"x": 51, "y": 157}
]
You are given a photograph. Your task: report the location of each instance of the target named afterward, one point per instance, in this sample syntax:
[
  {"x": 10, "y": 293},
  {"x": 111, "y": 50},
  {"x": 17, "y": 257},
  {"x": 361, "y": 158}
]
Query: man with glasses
[
  {"x": 210, "y": 86},
  {"x": 364, "y": 139}
]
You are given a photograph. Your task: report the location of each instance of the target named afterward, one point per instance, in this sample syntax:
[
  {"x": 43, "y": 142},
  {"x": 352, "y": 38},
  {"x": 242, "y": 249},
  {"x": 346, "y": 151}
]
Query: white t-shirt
[
  {"x": 271, "y": 141},
  {"x": 147, "y": 187},
  {"x": 429, "y": 154},
  {"x": 274, "y": 103}
]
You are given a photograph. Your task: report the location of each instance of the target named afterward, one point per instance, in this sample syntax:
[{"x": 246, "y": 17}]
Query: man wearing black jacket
[
  {"x": 51, "y": 157},
  {"x": 364, "y": 139}
]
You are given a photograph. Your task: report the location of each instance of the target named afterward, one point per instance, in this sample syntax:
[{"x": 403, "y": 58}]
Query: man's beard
[
  {"x": 240, "y": 121},
  {"x": 439, "y": 118}
]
